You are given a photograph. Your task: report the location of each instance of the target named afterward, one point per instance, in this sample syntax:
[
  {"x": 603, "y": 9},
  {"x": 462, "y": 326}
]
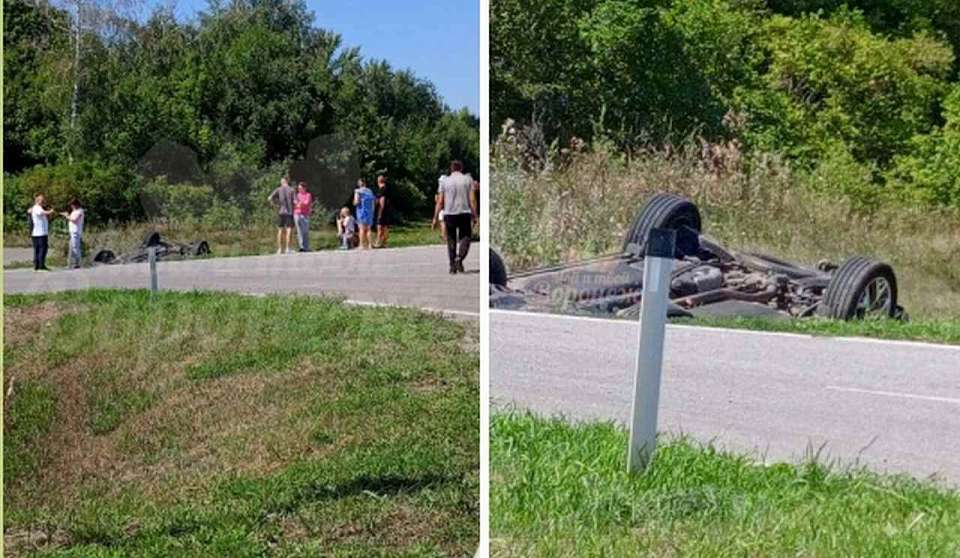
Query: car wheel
[
  {"x": 665, "y": 211},
  {"x": 200, "y": 248},
  {"x": 861, "y": 288},
  {"x": 104, "y": 256},
  {"x": 498, "y": 271},
  {"x": 152, "y": 238}
]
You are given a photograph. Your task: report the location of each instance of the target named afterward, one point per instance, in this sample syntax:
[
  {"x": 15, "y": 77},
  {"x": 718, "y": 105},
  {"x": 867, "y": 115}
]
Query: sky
[{"x": 438, "y": 40}]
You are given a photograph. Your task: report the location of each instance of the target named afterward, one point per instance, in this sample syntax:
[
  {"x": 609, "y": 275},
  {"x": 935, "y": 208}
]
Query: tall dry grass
[{"x": 581, "y": 203}]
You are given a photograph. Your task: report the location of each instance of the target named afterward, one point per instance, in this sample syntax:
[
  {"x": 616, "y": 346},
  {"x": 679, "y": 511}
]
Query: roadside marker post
[
  {"x": 152, "y": 258},
  {"x": 657, "y": 269}
]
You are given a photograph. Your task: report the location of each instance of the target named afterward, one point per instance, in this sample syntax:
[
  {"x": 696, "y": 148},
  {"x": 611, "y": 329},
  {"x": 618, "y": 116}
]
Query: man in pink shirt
[{"x": 301, "y": 215}]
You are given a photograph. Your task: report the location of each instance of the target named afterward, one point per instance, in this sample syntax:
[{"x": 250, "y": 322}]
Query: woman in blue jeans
[{"x": 75, "y": 218}]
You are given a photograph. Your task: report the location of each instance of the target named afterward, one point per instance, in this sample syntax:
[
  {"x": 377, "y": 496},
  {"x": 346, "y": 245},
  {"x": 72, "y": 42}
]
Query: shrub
[
  {"x": 176, "y": 202},
  {"x": 930, "y": 172},
  {"x": 107, "y": 192}
]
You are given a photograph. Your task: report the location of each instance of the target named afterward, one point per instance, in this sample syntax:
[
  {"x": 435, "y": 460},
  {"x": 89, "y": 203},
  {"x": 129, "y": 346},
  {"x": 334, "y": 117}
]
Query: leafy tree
[
  {"x": 835, "y": 80},
  {"x": 244, "y": 89},
  {"x": 930, "y": 171}
]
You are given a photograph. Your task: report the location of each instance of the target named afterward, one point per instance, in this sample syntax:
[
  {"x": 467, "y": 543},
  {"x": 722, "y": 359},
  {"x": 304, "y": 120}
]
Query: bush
[
  {"x": 224, "y": 216},
  {"x": 930, "y": 172},
  {"x": 833, "y": 80},
  {"x": 176, "y": 202},
  {"x": 108, "y": 193}
]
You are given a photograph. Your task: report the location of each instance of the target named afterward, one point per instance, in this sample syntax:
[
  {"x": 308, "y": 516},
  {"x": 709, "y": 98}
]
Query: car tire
[
  {"x": 861, "y": 288},
  {"x": 200, "y": 248},
  {"x": 665, "y": 211},
  {"x": 152, "y": 238},
  {"x": 498, "y": 270},
  {"x": 104, "y": 256}
]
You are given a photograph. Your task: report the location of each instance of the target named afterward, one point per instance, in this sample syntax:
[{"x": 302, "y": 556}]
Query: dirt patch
[
  {"x": 22, "y": 323},
  {"x": 245, "y": 424},
  {"x": 20, "y": 542},
  {"x": 428, "y": 385}
]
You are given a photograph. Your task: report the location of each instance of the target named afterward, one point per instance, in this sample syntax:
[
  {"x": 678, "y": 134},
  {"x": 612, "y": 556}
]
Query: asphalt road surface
[
  {"x": 893, "y": 406},
  {"x": 415, "y": 276}
]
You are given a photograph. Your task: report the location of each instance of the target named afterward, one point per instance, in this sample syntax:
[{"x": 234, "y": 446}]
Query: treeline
[
  {"x": 241, "y": 91},
  {"x": 860, "y": 90}
]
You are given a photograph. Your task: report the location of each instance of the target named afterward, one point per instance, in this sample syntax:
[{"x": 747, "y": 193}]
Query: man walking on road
[
  {"x": 458, "y": 201},
  {"x": 283, "y": 198}
]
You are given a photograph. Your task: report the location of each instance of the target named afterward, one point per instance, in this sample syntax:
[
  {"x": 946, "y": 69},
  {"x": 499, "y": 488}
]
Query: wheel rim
[{"x": 876, "y": 299}]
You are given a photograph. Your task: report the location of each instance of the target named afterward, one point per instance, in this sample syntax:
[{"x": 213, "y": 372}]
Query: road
[
  {"x": 415, "y": 276},
  {"x": 893, "y": 406}
]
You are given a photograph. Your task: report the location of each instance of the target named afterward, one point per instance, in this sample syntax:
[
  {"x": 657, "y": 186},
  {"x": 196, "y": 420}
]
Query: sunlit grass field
[
  {"x": 560, "y": 489},
  {"x": 208, "y": 424}
]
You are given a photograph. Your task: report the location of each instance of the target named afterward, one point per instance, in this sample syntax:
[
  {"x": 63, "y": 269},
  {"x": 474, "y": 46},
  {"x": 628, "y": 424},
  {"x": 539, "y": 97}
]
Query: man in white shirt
[
  {"x": 457, "y": 198},
  {"x": 39, "y": 231},
  {"x": 75, "y": 219}
]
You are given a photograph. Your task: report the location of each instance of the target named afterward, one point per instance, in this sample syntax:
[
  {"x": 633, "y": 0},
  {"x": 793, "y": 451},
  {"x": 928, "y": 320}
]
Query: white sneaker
[
  {"x": 279, "y": 251},
  {"x": 289, "y": 251}
]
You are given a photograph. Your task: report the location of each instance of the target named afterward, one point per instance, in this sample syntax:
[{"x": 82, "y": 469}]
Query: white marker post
[
  {"x": 657, "y": 268},
  {"x": 152, "y": 258}
]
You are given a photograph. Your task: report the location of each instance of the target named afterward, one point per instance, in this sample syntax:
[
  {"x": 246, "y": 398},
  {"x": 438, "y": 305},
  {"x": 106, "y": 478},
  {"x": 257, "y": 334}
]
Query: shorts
[
  {"x": 385, "y": 220},
  {"x": 364, "y": 219},
  {"x": 285, "y": 221}
]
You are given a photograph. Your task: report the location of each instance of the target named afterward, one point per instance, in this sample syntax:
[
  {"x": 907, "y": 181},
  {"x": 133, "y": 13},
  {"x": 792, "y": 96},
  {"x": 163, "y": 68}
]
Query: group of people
[
  {"x": 294, "y": 207},
  {"x": 293, "y": 210},
  {"x": 40, "y": 231},
  {"x": 455, "y": 210}
]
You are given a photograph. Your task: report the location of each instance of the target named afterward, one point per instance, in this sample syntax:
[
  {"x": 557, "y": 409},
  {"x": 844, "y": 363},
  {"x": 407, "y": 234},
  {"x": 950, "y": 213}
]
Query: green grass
[
  {"x": 561, "y": 490},
  {"x": 207, "y": 424},
  {"x": 223, "y": 243},
  {"x": 933, "y": 331}
]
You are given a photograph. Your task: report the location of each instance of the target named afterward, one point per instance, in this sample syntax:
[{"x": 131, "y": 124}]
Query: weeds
[
  {"x": 561, "y": 489},
  {"x": 582, "y": 204}
]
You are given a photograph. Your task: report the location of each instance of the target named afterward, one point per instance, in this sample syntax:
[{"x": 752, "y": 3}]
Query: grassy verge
[
  {"x": 208, "y": 424},
  {"x": 239, "y": 242},
  {"x": 933, "y": 331},
  {"x": 560, "y": 490},
  {"x": 585, "y": 207}
]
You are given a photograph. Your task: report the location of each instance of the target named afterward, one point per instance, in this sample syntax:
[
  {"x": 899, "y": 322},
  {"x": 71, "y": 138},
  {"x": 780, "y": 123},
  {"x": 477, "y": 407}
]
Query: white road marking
[
  {"x": 955, "y": 401},
  {"x": 850, "y": 339}
]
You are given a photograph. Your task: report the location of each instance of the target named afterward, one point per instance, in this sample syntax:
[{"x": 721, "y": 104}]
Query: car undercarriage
[{"x": 707, "y": 278}]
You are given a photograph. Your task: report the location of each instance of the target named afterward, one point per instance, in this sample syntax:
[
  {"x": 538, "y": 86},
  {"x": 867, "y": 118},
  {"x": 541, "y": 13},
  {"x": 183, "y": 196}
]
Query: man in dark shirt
[
  {"x": 384, "y": 213},
  {"x": 283, "y": 198}
]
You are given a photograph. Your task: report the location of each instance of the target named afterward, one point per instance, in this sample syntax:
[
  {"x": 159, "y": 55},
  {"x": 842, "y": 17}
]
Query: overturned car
[
  {"x": 164, "y": 250},
  {"x": 707, "y": 279}
]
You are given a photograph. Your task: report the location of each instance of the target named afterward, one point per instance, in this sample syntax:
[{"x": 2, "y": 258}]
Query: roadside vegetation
[
  {"x": 145, "y": 115},
  {"x": 932, "y": 331},
  {"x": 811, "y": 130},
  {"x": 222, "y": 425},
  {"x": 585, "y": 207},
  {"x": 246, "y": 241},
  {"x": 560, "y": 489}
]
